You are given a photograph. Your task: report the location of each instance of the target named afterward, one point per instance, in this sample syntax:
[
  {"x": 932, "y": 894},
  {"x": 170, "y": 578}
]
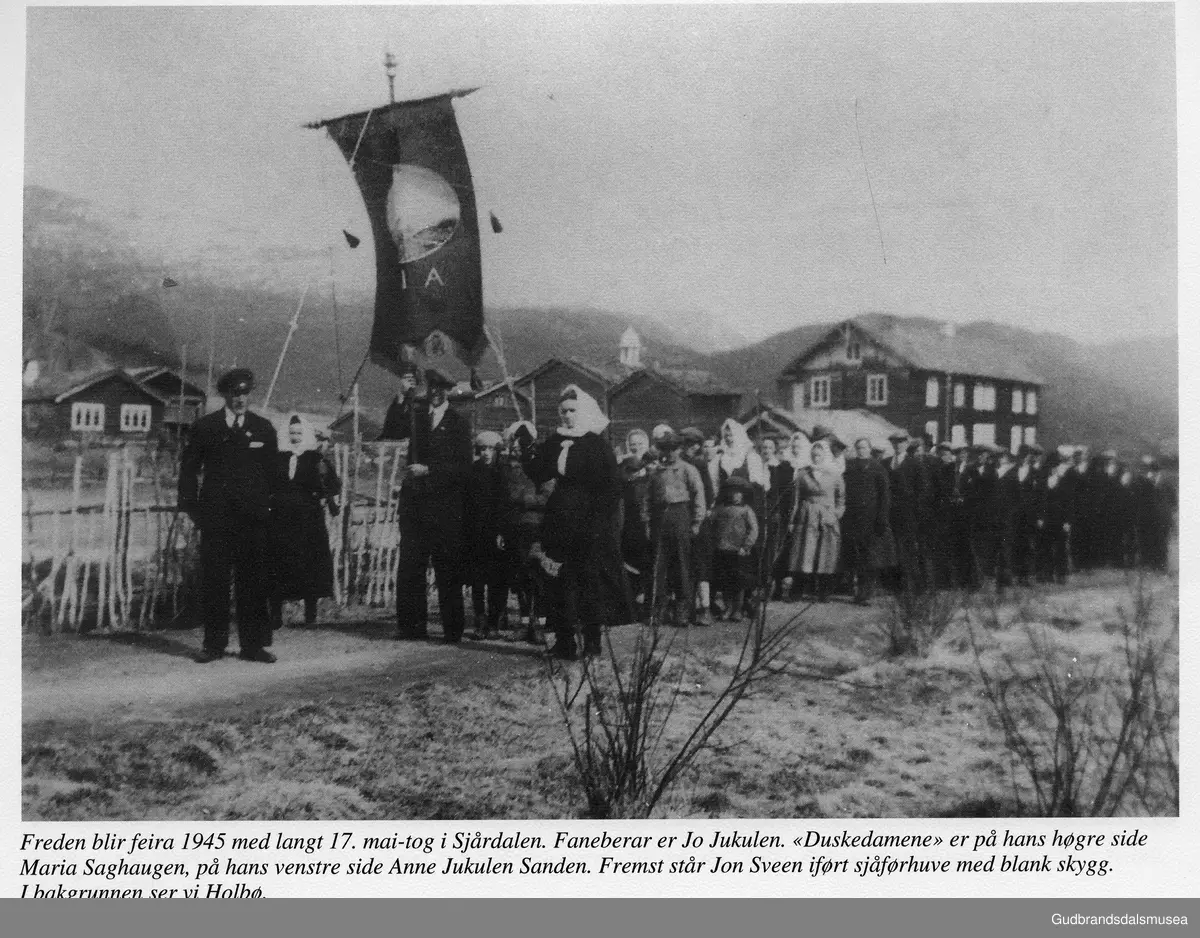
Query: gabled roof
[
  {"x": 847, "y": 425},
  {"x": 147, "y": 373},
  {"x": 923, "y": 344},
  {"x": 592, "y": 371},
  {"x": 60, "y": 387},
  {"x": 687, "y": 381}
]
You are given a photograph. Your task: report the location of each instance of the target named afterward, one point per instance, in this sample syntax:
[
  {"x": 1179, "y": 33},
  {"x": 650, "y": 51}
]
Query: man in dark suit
[
  {"x": 432, "y": 501},
  {"x": 225, "y": 484},
  {"x": 903, "y": 514}
]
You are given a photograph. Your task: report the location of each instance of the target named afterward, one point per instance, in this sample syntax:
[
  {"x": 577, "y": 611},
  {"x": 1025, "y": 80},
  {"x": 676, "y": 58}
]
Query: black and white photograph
[{"x": 533, "y": 412}]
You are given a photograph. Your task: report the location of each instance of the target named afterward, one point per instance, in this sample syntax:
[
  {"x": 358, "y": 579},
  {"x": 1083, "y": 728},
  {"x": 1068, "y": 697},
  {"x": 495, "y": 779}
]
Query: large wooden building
[
  {"x": 120, "y": 403},
  {"x": 108, "y": 403},
  {"x": 538, "y": 391},
  {"x": 677, "y": 397},
  {"x": 917, "y": 375}
]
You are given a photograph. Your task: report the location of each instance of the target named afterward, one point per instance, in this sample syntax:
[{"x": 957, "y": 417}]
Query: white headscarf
[
  {"x": 308, "y": 436},
  {"x": 589, "y": 418},
  {"x": 734, "y": 456}
]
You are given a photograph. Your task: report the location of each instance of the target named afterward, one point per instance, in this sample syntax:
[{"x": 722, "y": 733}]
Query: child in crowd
[{"x": 736, "y": 532}]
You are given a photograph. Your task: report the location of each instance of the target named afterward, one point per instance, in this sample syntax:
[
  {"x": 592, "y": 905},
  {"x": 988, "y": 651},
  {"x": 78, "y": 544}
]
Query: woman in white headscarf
[
  {"x": 302, "y": 567},
  {"x": 585, "y": 584},
  {"x": 816, "y": 523}
]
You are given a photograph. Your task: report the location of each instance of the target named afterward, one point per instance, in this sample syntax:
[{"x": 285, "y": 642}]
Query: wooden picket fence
[
  {"x": 117, "y": 566},
  {"x": 132, "y": 564}
]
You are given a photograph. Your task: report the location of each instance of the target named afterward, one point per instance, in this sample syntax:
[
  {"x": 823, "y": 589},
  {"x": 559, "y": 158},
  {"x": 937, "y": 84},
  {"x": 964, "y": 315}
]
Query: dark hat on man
[
  {"x": 669, "y": 440},
  {"x": 944, "y": 447},
  {"x": 691, "y": 435},
  {"x": 914, "y": 445},
  {"x": 435, "y": 379},
  {"x": 236, "y": 381},
  {"x": 1110, "y": 454},
  {"x": 898, "y": 437},
  {"x": 820, "y": 432},
  {"x": 1036, "y": 449}
]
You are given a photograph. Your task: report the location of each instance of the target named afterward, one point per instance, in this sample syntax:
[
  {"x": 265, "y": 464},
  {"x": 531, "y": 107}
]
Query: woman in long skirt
[
  {"x": 816, "y": 524},
  {"x": 301, "y": 564}
]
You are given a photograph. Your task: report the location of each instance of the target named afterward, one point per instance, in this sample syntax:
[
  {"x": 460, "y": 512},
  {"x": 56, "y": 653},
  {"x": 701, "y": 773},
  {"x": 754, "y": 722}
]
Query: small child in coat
[{"x": 735, "y": 529}]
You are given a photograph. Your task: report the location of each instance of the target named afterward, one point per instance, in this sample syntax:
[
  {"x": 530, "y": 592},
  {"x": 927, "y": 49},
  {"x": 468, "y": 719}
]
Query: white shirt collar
[
  {"x": 437, "y": 413},
  {"x": 230, "y": 417}
]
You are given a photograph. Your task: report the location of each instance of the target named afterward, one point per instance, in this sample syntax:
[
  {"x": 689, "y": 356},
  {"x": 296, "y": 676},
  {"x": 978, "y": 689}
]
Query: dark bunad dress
[{"x": 301, "y": 562}]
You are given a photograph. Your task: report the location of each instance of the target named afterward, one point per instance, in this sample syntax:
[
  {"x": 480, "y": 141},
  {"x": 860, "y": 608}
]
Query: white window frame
[
  {"x": 87, "y": 416},
  {"x": 960, "y": 394},
  {"x": 825, "y": 383},
  {"x": 931, "y": 430},
  {"x": 933, "y": 391},
  {"x": 983, "y": 396},
  {"x": 1031, "y": 402},
  {"x": 958, "y": 435},
  {"x": 1014, "y": 438},
  {"x": 875, "y": 383},
  {"x": 136, "y": 418},
  {"x": 1018, "y": 401},
  {"x": 983, "y": 433},
  {"x": 1030, "y": 436}
]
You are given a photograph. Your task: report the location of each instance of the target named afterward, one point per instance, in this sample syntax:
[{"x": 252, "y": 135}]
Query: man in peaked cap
[
  {"x": 234, "y": 451},
  {"x": 432, "y": 502}
]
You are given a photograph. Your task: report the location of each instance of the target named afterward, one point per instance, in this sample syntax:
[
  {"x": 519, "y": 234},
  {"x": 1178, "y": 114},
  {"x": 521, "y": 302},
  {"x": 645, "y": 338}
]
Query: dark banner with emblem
[{"x": 412, "y": 169}]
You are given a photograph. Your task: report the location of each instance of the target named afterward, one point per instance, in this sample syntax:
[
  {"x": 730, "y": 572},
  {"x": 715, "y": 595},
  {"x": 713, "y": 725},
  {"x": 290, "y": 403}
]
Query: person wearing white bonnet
[
  {"x": 580, "y": 548},
  {"x": 737, "y": 457},
  {"x": 301, "y": 566}
]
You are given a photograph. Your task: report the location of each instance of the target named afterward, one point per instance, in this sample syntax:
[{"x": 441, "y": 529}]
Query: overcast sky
[{"x": 663, "y": 160}]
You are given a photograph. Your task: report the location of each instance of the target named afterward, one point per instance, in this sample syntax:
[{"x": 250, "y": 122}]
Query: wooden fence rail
[{"x": 131, "y": 564}]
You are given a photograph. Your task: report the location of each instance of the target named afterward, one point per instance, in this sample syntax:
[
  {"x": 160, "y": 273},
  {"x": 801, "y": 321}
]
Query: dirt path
[{"x": 149, "y": 677}]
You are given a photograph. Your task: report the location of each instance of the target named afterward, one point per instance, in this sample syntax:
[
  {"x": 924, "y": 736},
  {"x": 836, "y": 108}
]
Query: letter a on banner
[{"x": 411, "y": 167}]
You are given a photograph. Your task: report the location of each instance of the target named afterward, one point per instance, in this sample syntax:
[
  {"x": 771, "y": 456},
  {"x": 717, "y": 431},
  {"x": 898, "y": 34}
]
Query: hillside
[{"x": 92, "y": 281}]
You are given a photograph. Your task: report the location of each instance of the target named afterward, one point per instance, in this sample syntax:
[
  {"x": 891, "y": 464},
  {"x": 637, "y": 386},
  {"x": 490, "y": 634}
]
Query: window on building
[
  {"x": 1031, "y": 402},
  {"x": 1014, "y": 439},
  {"x": 853, "y": 350},
  {"x": 958, "y": 435},
  {"x": 1030, "y": 436},
  {"x": 983, "y": 397},
  {"x": 876, "y": 390},
  {"x": 87, "y": 416},
  {"x": 135, "y": 418},
  {"x": 818, "y": 392},
  {"x": 960, "y": 394},
  {"x": 984, "y": 433},
  {"x": 931, "y": 392},
  {"x": 1018, "y": 401},
  {"x": 931, "y": 430}
]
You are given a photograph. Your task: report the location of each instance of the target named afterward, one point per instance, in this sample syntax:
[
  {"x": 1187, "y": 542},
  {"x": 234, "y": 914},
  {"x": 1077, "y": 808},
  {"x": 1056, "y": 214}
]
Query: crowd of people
[{"x": 670, "y": 524}]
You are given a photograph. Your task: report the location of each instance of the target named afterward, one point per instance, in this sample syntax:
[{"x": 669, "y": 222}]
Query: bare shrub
[
  {"x": 915, "y": 620},
  {"x": 1093, "y": 738},
  {"x": 616, "y": 709}
]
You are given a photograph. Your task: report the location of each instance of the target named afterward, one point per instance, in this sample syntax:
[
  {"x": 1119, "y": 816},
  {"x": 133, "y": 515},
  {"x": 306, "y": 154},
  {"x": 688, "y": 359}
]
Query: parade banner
[{"x": 412, "y": 169}]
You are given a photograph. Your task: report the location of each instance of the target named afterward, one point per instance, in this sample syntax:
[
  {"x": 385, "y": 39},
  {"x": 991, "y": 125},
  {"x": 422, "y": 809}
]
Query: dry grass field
[{"x": 352, "y": 725}]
